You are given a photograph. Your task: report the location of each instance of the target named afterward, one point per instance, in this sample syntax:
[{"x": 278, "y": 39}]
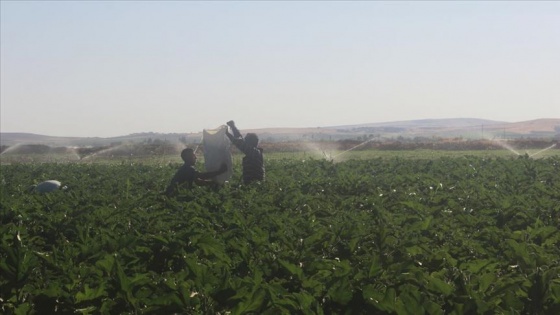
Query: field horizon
[{"x": 468, "y": 128}]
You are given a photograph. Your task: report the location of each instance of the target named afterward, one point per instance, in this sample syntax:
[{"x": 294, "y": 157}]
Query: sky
[{"x": 112, "y": 68}]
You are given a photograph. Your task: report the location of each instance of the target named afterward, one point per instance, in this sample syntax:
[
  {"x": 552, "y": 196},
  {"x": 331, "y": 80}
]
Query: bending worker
[{"x": 187, "y": 175}]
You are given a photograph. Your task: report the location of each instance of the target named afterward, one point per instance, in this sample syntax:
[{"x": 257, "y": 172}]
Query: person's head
[
  {"x": 188, "y": 156},
  {"x": 252, "y": 139}
]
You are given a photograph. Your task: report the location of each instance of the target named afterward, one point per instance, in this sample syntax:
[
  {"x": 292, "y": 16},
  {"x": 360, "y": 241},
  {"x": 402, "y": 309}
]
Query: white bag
[{"x": 216, "y": 152}]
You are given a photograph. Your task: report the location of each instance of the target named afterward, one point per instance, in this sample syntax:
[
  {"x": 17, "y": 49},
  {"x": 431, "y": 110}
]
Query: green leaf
[
  {"x": 23, "y": 309},
  {"x": 555, "y": 290},
  {"x": 91, "y": 294},
  {"x": 432, "y": 308},
  {"x": 305, "y": 300},
  {"x": 292, "y": 269},
  {"x": 390, "y": 298},
  {"x": 210, "y": 246},
  {"x": 479, "y": 265},
  {"x": 122, "y": 279},
  {"x": 106, "y": 263},
  {"x": 160, "y": 239},
  {"x": 426, "y": 223},
  {"x": 341, "y": 291},
  {"x": 439, "y": 286},
  {"x": 409, "y": 301},
  {"x": 375, "y": 268},
  {"x": 485, "y": 280},
  {"x": 520, "y": 253},
  {"x": 251, "y": 303}
]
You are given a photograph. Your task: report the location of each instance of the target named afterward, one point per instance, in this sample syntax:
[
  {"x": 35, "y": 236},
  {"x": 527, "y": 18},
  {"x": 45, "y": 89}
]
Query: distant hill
[
  {"x": 462, "y": 127},
  {"x": 428, "y": 123},
  {"x": 470, "y": 128},
  {"x": 10, "y": 139}
]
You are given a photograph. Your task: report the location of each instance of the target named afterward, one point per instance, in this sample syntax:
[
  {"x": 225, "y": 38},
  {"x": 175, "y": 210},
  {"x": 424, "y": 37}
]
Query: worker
[
  {"x": 253, "y": 162},
  {"x": 187, "y": 175}
]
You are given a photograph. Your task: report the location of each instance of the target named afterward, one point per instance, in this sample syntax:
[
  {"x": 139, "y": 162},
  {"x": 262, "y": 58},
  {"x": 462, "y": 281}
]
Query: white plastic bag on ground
[
  {"x": 47, "y": 186},
  {"x": 217, "y": 151}
]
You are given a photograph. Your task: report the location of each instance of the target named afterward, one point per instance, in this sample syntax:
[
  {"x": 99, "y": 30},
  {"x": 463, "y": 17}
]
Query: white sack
[
  {"x": 216, "y": 152},
  {"x": 47, "y": 186}
]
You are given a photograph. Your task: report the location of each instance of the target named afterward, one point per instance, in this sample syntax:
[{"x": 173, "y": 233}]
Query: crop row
[{"x": 381, "y": 236}]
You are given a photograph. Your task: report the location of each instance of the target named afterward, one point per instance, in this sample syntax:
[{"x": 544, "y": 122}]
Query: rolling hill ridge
[{"x": 470, "y": 128}]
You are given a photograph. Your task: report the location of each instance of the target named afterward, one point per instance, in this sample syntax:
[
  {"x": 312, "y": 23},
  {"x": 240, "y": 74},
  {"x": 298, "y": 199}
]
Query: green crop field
[
  {"x": 417, "y": 234},
  {"x": 317, "y": 154}
]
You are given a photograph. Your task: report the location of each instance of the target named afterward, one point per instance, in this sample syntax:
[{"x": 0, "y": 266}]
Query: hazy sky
[{"x": 111, "y": 68}]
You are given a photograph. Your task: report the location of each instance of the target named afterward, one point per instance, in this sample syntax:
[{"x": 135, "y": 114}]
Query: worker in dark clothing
[
  {"x": 187, "y": 175},
  {"x": 253, "y": 163}
]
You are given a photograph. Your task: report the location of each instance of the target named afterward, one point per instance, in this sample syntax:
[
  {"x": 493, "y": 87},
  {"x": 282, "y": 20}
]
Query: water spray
[
  {"x": 506, "y": 146},
  {"x": 11, "y": 148},
  {"x": 543, "y": 150},
  {"x": 102, "y": 151},
  {"x": 352, "y": 148}
]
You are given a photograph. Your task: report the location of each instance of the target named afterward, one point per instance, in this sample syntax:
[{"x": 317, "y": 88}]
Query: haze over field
[{"x": 105, "y": 69}]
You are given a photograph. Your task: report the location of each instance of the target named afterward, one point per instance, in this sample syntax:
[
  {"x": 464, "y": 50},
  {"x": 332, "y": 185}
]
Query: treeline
[
  {"x": 114, "y": 150},
  {"x": 34, "y": 149},
  {"x": 456, "y": 144},
  {"x": 447, "y": 144},
  {"x": 159, "y": 148}
]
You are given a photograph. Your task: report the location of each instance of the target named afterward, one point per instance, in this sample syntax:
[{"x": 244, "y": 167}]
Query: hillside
[
  {"x": 445, "y": 128},
  {"x": 428, "y": 123}
]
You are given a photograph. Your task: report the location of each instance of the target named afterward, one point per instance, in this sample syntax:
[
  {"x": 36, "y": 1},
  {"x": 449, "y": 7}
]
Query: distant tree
[
  {"x": 183, "y": 140},
  {"x": 34, "y": 149}
]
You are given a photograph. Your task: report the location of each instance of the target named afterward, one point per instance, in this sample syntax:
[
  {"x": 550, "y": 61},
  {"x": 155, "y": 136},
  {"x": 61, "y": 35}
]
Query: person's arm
[
  {"x": 230, "y": 136},
  {"x": 204, "y": 179},
  {"x": 240, "y": 144},
  {"x": 234, "y": 129},
  {"x": 203, "y": 182},
  {"x": 238, "y": 140}
]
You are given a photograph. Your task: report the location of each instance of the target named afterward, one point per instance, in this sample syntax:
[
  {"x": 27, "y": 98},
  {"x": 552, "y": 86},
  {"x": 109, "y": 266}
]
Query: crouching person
[{"x": 187, "y": 175}]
